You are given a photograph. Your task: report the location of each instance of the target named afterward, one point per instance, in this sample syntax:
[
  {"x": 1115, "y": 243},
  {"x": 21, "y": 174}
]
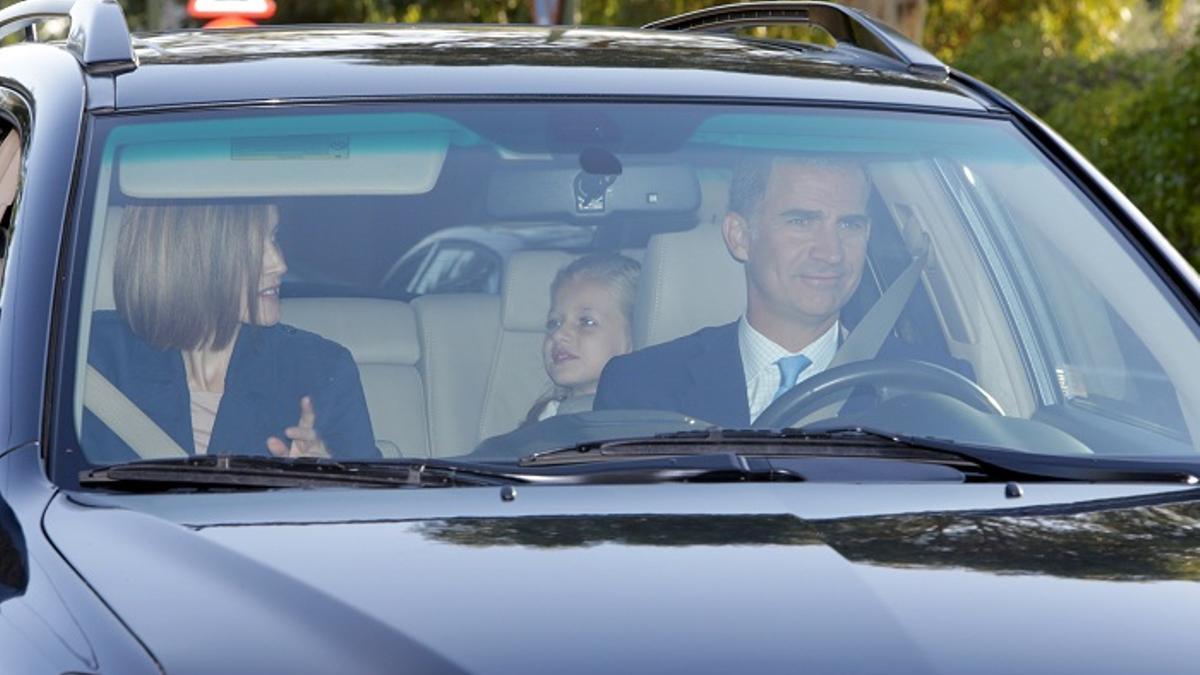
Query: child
[{"x": 591, "y": 305}]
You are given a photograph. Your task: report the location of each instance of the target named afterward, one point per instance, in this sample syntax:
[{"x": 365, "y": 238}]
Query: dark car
[{"x": 857, "y": 367}]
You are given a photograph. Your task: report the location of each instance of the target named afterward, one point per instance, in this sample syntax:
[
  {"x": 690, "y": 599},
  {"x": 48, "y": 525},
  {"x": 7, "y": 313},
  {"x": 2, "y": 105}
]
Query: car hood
[{"x": 648, "y": 579}]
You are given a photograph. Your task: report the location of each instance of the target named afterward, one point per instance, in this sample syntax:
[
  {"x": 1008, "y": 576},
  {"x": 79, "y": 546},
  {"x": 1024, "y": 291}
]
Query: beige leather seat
[
  {"x": 481, "y": 355},
  {"x": 458, "y": 339},
  {"x": 689, "y": 280},
  {"x": 382, "y": 337},
  {"x": 518, "y": 376}
]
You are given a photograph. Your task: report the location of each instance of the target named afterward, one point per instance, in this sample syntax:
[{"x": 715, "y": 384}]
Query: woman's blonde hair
[{"x": 184, "y": 273}]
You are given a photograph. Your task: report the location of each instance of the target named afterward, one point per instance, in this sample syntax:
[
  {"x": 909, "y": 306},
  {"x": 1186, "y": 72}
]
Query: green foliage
[
  {"x": 409, "y": 11},
  {"x": 1085, "y": 28},
  {"x": 1134, "y": 112},
  {"x": 1149, "y": 148}
]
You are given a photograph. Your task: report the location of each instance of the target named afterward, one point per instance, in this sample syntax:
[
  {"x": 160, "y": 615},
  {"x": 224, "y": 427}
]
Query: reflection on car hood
[{"x": 1105, "y": 586}]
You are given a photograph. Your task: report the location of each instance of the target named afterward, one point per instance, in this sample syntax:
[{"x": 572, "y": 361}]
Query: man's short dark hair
[
  {"x": 749, "y": 183},
  {"x": 752, "y": 171}
]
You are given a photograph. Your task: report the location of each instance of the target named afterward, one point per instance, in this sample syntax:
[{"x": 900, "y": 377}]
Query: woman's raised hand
[{"x": 305, "y": 441}]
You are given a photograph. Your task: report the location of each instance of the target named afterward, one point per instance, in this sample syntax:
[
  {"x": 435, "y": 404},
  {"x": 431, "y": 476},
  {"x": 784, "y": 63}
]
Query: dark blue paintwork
[
  {"x": 262, "y": 65},
  {"x": 770, "y": 578},
  {"x": 669, "y": 578}
]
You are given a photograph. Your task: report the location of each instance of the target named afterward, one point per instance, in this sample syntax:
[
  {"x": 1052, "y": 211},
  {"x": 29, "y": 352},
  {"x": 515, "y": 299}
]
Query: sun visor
[
  {"x": 303, "y": 164},
  {"x": 640, "y": 189}
]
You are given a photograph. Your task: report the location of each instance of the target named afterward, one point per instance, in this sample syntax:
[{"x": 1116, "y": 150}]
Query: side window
[
  {"x": 1109, "y": 387},
  {"x": 404, "y": 275},
  {"x": 10, "y": 172},
  {"x": 460, "y": 267}
]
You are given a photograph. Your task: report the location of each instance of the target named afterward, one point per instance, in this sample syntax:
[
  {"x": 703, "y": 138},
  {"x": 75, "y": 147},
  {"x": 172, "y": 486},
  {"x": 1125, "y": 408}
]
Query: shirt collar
[{"x": 760, "y": 352}]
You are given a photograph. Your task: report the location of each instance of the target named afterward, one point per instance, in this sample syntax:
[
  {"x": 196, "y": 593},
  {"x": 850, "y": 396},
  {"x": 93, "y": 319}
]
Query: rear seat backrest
[
  {"x": 382, "y": 337},
  {"x": 517, "y": 375},
  {"x": 689, "y": 279},
  {"x": 458, "y": 341}
]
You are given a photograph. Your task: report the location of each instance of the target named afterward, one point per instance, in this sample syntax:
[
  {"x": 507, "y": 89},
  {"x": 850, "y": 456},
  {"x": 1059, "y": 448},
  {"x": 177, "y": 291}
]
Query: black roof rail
[
  {"x": 845, "y": 24},
  {"x": 99, "y": 36}
]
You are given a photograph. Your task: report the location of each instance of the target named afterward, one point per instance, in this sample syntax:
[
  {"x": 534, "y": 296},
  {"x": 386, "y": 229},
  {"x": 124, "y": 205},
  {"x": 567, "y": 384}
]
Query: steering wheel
[{"x": 915, "y": 376}]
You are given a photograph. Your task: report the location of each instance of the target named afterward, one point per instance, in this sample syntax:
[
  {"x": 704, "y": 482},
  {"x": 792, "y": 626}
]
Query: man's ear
[{"x": 737, "y": 236}]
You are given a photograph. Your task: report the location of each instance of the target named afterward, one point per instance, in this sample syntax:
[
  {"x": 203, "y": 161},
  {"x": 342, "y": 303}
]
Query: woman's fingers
[
  {"x": 277, "y": 447},
  {"x": 308, "y": 417},
  {"x": 307, "y": 434},
  {"x": 304, "y": 439}
]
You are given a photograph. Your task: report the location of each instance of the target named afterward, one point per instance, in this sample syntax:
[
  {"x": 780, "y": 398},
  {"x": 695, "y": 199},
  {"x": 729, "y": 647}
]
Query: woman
[{"x": 196, "y": 344}]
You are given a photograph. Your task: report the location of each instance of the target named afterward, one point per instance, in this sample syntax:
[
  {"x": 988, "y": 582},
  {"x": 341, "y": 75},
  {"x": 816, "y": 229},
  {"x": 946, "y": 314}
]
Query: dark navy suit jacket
[
  {"x": 702, "y": 375},
  {"x": 699, "y": 375},
  {"x": 272, "y": 367}
]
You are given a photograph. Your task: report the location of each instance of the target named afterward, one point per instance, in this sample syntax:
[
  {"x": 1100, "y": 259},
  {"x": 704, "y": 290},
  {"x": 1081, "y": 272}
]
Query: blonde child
[{"x": 591, "y": 305}]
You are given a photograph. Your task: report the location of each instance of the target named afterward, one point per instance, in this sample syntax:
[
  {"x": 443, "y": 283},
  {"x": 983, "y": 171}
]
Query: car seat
[
  {"x": 689, "y": 280},
  {"x": 382, "y": 338},
  {"x": 481, "y": 354}
]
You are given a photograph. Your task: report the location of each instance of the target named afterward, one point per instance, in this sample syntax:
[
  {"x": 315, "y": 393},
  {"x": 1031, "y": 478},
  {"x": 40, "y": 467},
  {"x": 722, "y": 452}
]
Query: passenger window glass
[
  {"x": 460, "y": 268},
  {"x": 405, "y": 275}
]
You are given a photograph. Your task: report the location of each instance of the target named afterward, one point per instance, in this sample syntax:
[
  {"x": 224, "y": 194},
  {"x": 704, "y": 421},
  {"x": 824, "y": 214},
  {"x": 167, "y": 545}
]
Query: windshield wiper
[
  {"x": 239, "y": 472},
  {"x": 233, "y": 472},
  {"x": 977, "y": 462}
]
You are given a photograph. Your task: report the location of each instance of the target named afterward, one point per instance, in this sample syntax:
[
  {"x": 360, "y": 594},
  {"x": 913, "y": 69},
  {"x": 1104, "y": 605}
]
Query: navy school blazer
[{"x": 271, "y": 368}]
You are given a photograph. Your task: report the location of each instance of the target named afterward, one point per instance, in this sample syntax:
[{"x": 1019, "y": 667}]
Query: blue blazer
[
  {"x": 702, "y": 375},
  {"x": 272, "y": 367},
  {"x": 699, "y": 375}
]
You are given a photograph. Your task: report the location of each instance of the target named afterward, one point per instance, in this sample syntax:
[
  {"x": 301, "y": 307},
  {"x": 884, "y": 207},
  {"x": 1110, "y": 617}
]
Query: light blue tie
[{"x": 790, "y": 368}]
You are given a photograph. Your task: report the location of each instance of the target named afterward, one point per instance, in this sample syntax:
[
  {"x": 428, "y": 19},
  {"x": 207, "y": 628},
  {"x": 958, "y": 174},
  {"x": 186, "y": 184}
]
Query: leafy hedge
[{"x": 1135, "y": 115}]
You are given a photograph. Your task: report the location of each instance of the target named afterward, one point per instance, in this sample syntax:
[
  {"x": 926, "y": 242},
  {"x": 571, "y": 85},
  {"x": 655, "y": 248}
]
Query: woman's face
[
  {"x": 273, "y": 269},
  {"x": 585, "y": 329}
]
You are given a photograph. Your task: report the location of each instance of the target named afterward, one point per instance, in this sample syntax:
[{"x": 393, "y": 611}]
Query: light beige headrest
[
  {"x": 527, "y": 288},
  {"x": 689, "y": 281},
  {"x": 375, "y": 331}
]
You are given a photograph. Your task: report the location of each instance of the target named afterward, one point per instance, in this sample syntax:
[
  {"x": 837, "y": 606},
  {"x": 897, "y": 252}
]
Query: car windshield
[{"x": 485, "y": 280}]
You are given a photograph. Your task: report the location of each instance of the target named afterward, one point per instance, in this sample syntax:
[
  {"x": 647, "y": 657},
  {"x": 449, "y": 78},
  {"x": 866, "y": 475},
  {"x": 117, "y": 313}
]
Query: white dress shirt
[{"x": 759, "y": 356}]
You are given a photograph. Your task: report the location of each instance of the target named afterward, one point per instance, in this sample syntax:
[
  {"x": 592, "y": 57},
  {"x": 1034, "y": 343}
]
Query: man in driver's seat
[{"x": 799, "y": 226}]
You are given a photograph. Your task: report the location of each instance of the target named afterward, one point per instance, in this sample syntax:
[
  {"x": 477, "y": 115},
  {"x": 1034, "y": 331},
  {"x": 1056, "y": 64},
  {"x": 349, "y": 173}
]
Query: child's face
[{"x": 585, "y": 329}]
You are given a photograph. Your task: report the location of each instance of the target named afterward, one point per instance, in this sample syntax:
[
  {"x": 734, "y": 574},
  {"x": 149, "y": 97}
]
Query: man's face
[{"x": 805, "y": 245}]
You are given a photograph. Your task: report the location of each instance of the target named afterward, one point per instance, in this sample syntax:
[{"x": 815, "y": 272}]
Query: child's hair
[
  {"x": 612, "y": 269},
  {"x": 618, "y": 272}
]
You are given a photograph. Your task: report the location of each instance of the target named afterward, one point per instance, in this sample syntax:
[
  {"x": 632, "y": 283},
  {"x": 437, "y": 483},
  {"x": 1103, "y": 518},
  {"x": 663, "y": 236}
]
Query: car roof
[{"x": 189, "y": 68}]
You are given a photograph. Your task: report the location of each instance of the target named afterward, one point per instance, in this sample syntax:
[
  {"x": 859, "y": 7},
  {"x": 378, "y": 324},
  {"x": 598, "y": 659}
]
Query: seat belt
[
  {"x": 867, "y": 338},
  {"x": 126, "y": 420}
]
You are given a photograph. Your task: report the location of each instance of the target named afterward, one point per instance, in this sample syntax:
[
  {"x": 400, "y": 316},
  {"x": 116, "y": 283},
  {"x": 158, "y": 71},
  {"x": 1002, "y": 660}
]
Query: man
[{"x": 799, "y": 227}]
